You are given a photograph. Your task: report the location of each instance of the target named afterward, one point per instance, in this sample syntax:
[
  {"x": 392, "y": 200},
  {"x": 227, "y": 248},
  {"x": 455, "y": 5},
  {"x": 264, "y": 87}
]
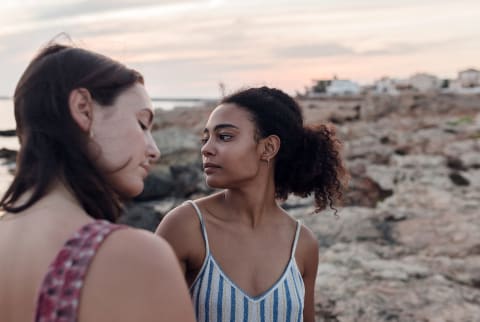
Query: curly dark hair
[
  {"x": 309, "y": 159},
  {"x": 52, "y": 145}
]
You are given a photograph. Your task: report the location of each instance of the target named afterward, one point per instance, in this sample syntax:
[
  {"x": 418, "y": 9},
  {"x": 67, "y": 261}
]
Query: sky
[{"x": 187, "y": 48}]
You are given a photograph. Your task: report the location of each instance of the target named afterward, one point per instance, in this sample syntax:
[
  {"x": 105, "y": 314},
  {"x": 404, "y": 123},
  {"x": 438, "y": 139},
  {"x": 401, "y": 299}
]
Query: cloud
[
  {"x": 393, "y": 49},
  {"x": 193, "y": 77},
  {"x": 75, "y": 14},
  {"x": 405, "y": 48},
  {"x": 322, "y": 50},
  {"x": 200, "y": 67},
  {"x": 314, "y": 50},
  {"x": 78, "y": 8},
  {"x": 201, "y": 41}
]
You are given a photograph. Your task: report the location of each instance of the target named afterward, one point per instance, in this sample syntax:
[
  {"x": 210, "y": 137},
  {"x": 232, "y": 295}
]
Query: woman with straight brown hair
[{"x": 83, "y": 121}]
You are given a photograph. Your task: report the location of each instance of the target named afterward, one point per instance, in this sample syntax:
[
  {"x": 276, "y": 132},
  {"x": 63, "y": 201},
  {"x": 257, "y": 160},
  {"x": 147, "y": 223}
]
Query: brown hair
[{"x": 52, "y": 145}]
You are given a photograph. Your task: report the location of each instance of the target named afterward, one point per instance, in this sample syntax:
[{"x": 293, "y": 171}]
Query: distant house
[
  {"x": 343, "y": 87},
  {"x": 425, "y": 82},
  {"x": 467, "y": 82},
  {"x": 469, "y": 78},
  {"x": 319, "y": 87},
  {"x": 329, "y": 87},
  {"x": 386, "y": 85}
]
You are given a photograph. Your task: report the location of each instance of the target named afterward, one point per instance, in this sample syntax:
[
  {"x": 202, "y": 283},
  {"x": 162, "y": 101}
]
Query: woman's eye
[
  {"x": 225, "y": 137},
  {"x": 204, "y": 141}
]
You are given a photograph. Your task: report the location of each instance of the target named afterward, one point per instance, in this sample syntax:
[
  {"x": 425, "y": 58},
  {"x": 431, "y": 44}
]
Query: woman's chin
[
  {"x": 214, "y": 184},
  {"x": 130, "y": 192},
  {"x": 210, "y": 183}
]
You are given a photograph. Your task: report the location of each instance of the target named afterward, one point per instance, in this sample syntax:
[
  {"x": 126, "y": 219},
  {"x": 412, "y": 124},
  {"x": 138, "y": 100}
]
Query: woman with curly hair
[{"x": 244, "y": 257}]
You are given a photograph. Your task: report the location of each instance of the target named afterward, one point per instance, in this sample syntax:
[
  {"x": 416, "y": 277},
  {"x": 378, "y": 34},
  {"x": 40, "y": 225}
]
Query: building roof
[{"x": 469, "y": 70}]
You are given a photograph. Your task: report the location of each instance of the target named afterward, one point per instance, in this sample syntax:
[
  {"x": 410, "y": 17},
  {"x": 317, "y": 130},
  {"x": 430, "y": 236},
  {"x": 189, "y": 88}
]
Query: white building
[
  {"x": 386, "y": 85},
  {"x": 469, "y": 78},
  {"x": 425, "y": 82},
  {"x": 343, "y": 87}
]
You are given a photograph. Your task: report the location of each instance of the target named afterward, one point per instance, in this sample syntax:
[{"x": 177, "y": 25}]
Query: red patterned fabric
[{"x": 60, "y": 291}]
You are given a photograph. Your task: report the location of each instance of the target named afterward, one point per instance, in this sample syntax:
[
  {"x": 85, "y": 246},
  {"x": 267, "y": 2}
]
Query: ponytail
[
  {"x": 318, "y": 167},
  {"x": 309, "y": 158}
]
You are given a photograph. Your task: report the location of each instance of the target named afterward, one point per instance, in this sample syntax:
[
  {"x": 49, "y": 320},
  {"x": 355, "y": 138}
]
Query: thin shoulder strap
[
  {"x": 295, "y": 240},
  {"x": 60, "y": 290},
  {"x": 202, "y": 224}
]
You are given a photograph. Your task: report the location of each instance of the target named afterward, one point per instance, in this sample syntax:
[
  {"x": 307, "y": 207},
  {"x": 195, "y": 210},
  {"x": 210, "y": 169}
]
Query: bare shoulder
[
  {"x": 181, "y": 228},
  {"x": 180, "y": 220},
  {"x": 139, "y": 245},
  {"x": 308, "y": 239},
  {"x": 135, "y": 277},
  {"x": 184, "y": 218},
  {"x": 307, "y": 251}
]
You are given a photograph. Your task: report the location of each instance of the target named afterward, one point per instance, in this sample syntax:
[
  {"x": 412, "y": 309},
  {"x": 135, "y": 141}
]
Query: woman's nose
[
  {"x": 152, "y": 149},
  {"x": 207, "y": 148}
]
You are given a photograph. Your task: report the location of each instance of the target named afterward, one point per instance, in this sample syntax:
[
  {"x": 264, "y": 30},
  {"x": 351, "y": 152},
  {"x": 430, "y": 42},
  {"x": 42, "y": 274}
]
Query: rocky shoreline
[{"x": 405, "y": 245}]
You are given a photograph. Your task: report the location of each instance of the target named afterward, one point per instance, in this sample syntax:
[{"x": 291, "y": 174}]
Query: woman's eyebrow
[{"x": 221, "y": 126}]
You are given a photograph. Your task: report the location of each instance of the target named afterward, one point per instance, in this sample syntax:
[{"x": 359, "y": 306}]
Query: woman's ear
[
  {"x": 271, "y": 145},
  {"x": 81, "y": 108}
]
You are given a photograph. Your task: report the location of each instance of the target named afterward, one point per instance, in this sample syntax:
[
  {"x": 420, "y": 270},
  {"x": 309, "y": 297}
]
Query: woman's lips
[{"x": 209, "y": 167}]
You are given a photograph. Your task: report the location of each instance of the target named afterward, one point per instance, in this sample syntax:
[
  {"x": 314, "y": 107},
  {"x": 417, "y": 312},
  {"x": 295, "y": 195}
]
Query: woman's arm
[
  {"x": 181, "y": 229},
  {"x": 310, "y": 267},
  {"x": 135, "y": 276}
]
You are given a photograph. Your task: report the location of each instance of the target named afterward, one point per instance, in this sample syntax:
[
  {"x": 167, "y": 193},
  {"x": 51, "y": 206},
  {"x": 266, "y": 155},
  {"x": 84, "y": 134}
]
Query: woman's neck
[
  {"x": 58, "y": 198},
  {"x": 251, "y": 204}
]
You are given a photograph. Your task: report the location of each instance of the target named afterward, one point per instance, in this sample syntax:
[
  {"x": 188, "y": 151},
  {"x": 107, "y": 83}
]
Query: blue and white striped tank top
[{"x": 216, "y": 298}]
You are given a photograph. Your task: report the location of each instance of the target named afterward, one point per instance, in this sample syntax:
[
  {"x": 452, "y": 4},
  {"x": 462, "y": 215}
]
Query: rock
[
  {"x": 9, "y": 155},
  {"x": 298, "y": 202},
  {"x": 166, "y": 204},
  {"x": 141, "y": 215},
  {"x": 368, "y": 148},
  {"x": 466, "y": 151},
  {"x": 365, "y": 192},
  {"x": 173, "y": 140},
  {"x": 458, "y": 179},
  {"x": 189, "y": 180},
  {"x": 8, "y": 133},
  {"x": 156, "y": 187},
  {"x": 404, "y": 246}
]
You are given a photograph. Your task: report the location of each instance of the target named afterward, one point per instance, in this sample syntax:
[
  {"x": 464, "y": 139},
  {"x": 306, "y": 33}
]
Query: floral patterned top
[{"x": 60, "y": 291}]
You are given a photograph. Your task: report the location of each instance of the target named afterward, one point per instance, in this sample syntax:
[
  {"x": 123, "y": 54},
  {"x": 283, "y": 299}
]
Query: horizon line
[{"x": 155, "y": 99}]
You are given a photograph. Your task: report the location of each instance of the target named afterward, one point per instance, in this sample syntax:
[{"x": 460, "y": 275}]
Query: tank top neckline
[{"x": 291, "y": 264}]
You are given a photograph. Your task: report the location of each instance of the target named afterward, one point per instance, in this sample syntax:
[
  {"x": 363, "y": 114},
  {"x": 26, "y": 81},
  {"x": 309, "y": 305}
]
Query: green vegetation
[{"x": 468, "y": 119}]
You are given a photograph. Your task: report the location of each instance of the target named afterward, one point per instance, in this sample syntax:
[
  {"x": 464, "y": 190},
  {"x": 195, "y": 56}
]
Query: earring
[{"x": 91, "y": 135}]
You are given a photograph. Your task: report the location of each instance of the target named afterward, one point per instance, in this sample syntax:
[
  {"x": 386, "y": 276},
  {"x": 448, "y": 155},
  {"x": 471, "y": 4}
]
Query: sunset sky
[{"x": 186, "y": 48}]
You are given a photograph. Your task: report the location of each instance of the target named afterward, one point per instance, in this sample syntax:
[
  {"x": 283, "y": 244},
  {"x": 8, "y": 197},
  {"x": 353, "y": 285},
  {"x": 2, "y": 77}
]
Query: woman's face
[
  {"x": 231, "y": 155},
  {"x": 123, "y": 147}
]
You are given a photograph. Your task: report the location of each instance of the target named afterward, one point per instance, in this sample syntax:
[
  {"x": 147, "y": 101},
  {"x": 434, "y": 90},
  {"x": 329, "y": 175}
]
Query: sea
[{"x": 7, "y": 122}]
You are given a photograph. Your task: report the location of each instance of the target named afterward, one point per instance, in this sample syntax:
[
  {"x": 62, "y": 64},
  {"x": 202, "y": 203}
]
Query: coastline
[{"x": 406, "y": 237}]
